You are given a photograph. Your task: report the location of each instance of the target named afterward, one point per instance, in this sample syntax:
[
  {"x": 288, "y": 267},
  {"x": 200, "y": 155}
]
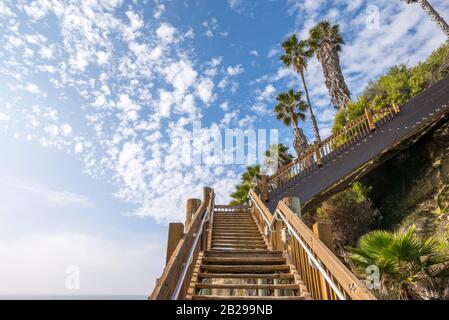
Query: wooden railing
[
  {"x": 319, "y": 153},
  {"x": 324, "y": 275},
  {"x": 175, "y": 279}
]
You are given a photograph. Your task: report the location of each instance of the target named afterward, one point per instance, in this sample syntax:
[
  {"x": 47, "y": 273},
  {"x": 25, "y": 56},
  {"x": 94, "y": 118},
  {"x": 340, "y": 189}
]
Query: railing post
[
  {"x": 207, "y": 191},
  {"x": 369, "y": 118},
  {"x": 323, "y": 231},
  {"x": 264, "y": 188},
  {"x": 175, "y": 233},
  {"x": 294, "y": 204},
  {"x": 316, "y": 146},
  {"x": 396, "y": 108},
  {"x": 191, "y": 207}
]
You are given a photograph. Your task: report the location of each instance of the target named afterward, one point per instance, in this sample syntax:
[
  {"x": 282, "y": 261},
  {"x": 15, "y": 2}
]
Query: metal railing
[{"x": 324, "y": 275}]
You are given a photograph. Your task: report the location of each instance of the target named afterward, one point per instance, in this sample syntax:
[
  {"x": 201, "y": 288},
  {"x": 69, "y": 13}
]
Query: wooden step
[
  {"x": 236, "y": 227},
  {"x": 288, "y": 276},
  {"x": 239, "y": 240},
  {"x": 211, "y": 297},
  {"x": 245, "y": 268},
  {"x": 244, "y": 253},
  {"x": 235, "y": 219},
  {"x": 229, "y": 225},
  {"x": 249, "y": 286},
  {"x": 244, "y": 260},
  {"x": 238, "y": 237},
  {"x": 233, "y": 250},
  {"x": 235, "y": 231},
  {"x": 238, "y": 246}
]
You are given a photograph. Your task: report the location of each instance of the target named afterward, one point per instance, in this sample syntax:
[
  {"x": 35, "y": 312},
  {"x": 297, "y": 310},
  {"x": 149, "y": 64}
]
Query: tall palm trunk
[
  {"x": 312, "y": 116},
  {"x": 333, "y": 77},
  {"x": 300, "y": 140},
  {"x": 427, "y": 7}
]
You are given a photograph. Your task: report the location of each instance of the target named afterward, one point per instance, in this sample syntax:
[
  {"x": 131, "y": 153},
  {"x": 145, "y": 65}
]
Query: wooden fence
[{"x": 328, "y": 149}]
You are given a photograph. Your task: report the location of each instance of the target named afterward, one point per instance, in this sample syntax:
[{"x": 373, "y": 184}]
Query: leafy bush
[
  {"x": 397, "y": 86},
  {"x": 350, "y": 213},
  {"x": 410, "y": 266}
]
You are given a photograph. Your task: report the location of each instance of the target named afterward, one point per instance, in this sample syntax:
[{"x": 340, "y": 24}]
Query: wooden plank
[
  {"x": 244, "y": 260},
  {"x": 245, "y": 268},
  {"x": 210, "y": 297},
  {"x": 246, "y": 275},
  {"x": 175, "y": 233},
  {"x": 286, "y": 286}
]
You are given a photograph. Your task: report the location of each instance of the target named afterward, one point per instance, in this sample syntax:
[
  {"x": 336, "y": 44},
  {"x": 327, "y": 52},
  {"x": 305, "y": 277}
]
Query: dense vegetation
[{"x": 397, "y": 86}]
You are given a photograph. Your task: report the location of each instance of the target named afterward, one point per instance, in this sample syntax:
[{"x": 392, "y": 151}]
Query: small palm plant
[
  {"x": 407, "y": 263},
  {"x": 296, "y": 55},
  {"x": 277, "y": 156},
  {"x": 290, "y": 110},
  {"x": 325, "y": 40},
  {"x": 250, "y": 179}
]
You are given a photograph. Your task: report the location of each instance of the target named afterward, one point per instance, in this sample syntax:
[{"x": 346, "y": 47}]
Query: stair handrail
[
  {"x": 342, "y": 282},
  {"x": 175, "y": 279},
  {"x": 207, "y": 216}
]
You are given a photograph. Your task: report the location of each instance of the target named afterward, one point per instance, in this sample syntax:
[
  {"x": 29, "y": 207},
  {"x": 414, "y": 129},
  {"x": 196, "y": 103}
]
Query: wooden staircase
[
  {"x": 239, "y": 264},
  {"x": 224, "y": 253}
]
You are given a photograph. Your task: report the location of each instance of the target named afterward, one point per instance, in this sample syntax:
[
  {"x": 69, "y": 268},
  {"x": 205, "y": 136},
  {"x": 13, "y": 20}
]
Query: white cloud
[
  {"x": 267, "y": 93},
  {"x": 254, "y": 53},
  {"x": 166, "y": 33},
  {"x": 33, "y": 88},
  {"x": 4, "y": 117},
  {"x": 159, "y": 11},
  {"x": 181, "y": 75},
  {"x": 60, "y": 198},
  {"x": 5, "y": 10},
  {"x": 204, "y": 90},
  {"x": 233, "y": 71}
]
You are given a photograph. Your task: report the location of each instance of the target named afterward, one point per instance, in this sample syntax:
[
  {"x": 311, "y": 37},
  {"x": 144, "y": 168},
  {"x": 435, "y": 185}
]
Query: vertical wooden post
[
  {"x": 207, "y": 194},
  {"x": 264, "y": 188},
  {"x": 261, "y": 292},
  {"x": 277, "y": 292},
  {"x": 396, "y": 108},
  {"x": 191, "y": 207},
  {"x": 323, "y": 231},
  {"x": 369, "y": 117},
  {"x": 294, "y": 204},
  {"x": 175, "y": 233},
  {"x": 207, "y": 191},
  {"x": 316, "y": 146}
]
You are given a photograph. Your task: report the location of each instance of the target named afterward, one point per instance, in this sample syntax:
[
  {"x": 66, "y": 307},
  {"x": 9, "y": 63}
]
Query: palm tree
[
  {"x": 277, "y": 156},
  {"x": 325, "y": 41},
  {"x": 434, "y": 15},
  {"x": 290, "y": 109},
  {"x": 296, "y": 56},
  {"x": 407, "y": 263},
  {"x": 250, "y": 179}
]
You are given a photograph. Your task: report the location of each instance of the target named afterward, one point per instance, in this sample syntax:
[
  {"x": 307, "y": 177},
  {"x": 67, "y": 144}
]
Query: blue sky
[{"x": 95, "y": 94}]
